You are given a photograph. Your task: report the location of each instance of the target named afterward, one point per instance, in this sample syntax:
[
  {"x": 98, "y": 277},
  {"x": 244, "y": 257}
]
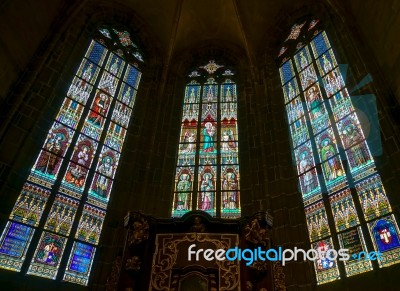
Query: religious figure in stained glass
[
  {"x": 99, "y": 108},
  {"x": 208, "y": 137},
  {"x": 207, "y": 188},
  {"x": 184, "y": 186}
]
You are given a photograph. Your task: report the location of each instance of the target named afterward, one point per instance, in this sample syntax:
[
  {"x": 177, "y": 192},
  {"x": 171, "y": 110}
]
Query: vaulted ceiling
[{"x": 184, "y": 25}]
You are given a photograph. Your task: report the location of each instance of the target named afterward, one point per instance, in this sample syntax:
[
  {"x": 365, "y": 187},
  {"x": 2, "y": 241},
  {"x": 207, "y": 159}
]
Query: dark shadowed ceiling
[{"x": 184, "y": 25}]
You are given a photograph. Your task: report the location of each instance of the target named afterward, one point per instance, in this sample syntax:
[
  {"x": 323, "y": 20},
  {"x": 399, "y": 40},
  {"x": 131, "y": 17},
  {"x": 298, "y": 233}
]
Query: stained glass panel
[
  {"x": 132, "y": 76},
  {"x": 88, "y": 72},
  {"x": 61, "y": 215},
  {"x": 326, "y": 268},
  {"x": 230, "y": 178},
  {"x": 326, "y": 144},
  {"x": 294, "y": 109},
  {"x": 317, "y": 221},
  {"x": 14, "y": 243},
  {"x": 286, "y": 72},
  {"x": 310, "y": 187},
  {"x": 333, "y": 82},
  {"x": 190, "y": 114},
  {"x": 70, "y": 113},
  {"x": 186, "y": 159},
  {"x": 47, "y": 257},
  {"x": 184, "y": 185},
  {"x": 302, "y": 59},
  {"x": 192, "y": 93},
  {"x": 299, "y": 132},
  {"x": 360, "y": 161},
  {"x": 108, "y": 83},
  {"x": 121, "y": 114},
  {"x": 115, "y": 65},
  {"x": 127, "y": 95},
  {"x": 326, "y": 63},
  {"x": 90, "y": 224},
  {"x": 182, "y": 203},
  {"x": 210, "y": 91},
  {"x": 30, "y": 204},
  {"x": 84, "y": 151},
  {"x": 58, "y": 139},
  {"x": 229, "y": 130},
  {"x": 79, "y": 264},
  {"x": 108, "y": 162},
  {"x": 115, "y": 136},
  {"x": 46, "y": 168},
  {"x": 385, "y": 237},
  {"x": 79, "y": 90},
  {"x": 188, "y": 133},
  {"x": 207, "y": 186},
  {"x": 353, "y": 240},
  {"x": 228, "y": 92},
  {"x": 373, "y": 199},
  {"x": 304, "y": 158},
  {"x": 313, "y": 99},
  {"x": 341, "y": 104},
  {"x": 319, "y": 119},
  {"x": 230, "y": 204},
  {"x": 308, "y": 76},
  {"x": 228, "y": 112},
  {"x": 350, "y": 131},
  {"x": 96, "y": 53},
  {"x": 290, "y": 90},
  {"x": 99, "y": 192},
  {"x": 184, "y": 179},
  {"x": 344, "y": 211},
  {"x": 334, "y": 174},
  {"x": 73, "y": 182},
  {"x": 320, "y": 44}
]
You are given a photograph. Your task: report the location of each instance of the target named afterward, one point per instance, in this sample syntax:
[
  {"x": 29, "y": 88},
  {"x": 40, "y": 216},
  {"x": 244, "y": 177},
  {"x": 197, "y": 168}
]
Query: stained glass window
[
  {"x": 85, "y": 139},
  {"x": 336, "y": 170},
  {"x": 207, "y": 175}
]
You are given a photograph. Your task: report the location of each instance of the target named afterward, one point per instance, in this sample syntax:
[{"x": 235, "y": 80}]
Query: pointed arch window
[
  {"x": 207, "y": 173},
  {"x": 62, "y": 205},
  {"x": 344, "y": 199}
]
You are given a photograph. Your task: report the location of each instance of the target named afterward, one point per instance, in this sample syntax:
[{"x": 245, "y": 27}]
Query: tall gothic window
[
  {"x": 207, "y": 173},
  {"x": 63, "y": 203},
  {"x": 345, "y": 201}
]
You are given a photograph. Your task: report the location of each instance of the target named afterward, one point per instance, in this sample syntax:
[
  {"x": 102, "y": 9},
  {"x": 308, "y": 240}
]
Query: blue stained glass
[
  {"x": 81, "y": 258},
  {"x": 326, "y": 62},
  {"x": 290, "y": 90},
  {"x": 385, "y": 234},
  {"x": 228, "y": 93},
  {"x": 16, "y": 239},
  {"x": 96, "y": 52},
  {"x": 210, "y": 92},
  {"x": 192, "y": 94},
  {"x": 132, "y": 76},
  {"x": 286, "y": 72},
  {"x": 320, "y": 44},
  {"x": 115, "y": 65}
]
